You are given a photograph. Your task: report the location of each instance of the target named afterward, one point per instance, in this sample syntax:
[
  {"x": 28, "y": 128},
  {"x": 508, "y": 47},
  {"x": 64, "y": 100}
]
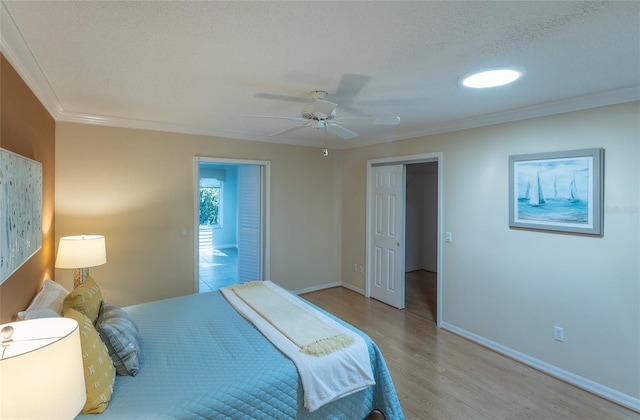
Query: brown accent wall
[{"x": 26, "y": 128}]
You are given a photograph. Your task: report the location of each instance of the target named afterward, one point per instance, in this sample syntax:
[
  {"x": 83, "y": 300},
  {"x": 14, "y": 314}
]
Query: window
[{"x": 210, "y": 202}]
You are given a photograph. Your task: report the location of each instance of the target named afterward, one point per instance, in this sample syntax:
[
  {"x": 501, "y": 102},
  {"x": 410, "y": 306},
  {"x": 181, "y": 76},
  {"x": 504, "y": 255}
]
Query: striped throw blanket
[
  {"x": 307, "y": 331},
  {"x": 332, "y": 360}
]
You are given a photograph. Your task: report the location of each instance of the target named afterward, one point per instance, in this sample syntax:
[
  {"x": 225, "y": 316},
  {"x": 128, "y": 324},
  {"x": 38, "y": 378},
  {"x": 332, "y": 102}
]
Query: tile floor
[{"x": 218, "y": 267}]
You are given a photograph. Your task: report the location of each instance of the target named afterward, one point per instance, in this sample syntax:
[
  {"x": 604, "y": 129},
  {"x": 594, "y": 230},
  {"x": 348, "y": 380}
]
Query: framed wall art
[
  {"x": 557, "y": 191},
  {"x": 20, "y": 211}
]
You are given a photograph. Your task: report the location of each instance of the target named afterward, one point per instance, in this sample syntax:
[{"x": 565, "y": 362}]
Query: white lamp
[
  {"x": 81, "y": 252},
  {"x": 41, "y": 373}
]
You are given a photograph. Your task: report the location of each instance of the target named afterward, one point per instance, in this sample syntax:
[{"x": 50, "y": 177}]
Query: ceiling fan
[{"x": 322, "y": 114}]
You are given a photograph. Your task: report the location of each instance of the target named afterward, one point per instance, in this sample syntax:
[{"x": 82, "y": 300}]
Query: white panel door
[
  {"x": 386, "y": 259},
  {"x": 249, "y": 223}
]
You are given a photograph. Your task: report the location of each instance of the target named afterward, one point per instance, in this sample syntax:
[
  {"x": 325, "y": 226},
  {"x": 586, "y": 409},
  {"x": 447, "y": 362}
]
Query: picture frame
[
  {"x": 558, "y": 191},
  {"x": 20, "y": 211}
]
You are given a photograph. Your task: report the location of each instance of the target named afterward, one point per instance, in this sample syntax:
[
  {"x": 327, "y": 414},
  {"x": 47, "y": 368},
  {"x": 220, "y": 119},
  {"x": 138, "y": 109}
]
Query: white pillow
[
  {"x": 41, "y": 313},
  {"x": 51, "y": 296}
]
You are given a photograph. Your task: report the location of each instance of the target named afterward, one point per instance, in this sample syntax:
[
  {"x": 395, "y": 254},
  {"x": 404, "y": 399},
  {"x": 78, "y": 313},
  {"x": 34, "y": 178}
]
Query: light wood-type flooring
[{"x": 440, "y": 375}]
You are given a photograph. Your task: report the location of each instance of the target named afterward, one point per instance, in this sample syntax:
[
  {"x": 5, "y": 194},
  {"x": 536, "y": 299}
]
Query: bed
[{"x": 200, "y": 358}]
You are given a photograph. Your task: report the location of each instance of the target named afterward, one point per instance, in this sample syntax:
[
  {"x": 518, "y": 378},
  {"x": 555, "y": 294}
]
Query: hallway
[{"x": 218, "y": 267}]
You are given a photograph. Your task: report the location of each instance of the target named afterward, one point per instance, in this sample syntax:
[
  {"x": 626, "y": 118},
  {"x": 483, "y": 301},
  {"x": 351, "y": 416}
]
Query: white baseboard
[
  {"x": 329, "y": 286},
  {"x": 316, "y": 288},
  {"x": 610, "y": 394},
  {"x": 352, "y": 287}
]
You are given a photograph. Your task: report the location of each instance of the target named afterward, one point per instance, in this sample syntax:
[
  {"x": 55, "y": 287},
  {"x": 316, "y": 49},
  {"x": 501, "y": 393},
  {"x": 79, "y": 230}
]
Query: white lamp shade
[
  {"x": 42, "y": 378},
  {"x": 81, "y": 251}
]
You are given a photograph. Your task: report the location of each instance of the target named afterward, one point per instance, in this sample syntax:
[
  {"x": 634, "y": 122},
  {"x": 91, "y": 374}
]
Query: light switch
[{"x": 448, "y": 237}]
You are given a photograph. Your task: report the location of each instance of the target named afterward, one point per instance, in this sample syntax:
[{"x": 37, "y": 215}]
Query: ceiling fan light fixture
[
  {"x": 319, "y": 94},
  {"x": 322, "y": 114},
  {"x": 491, "y": 78}
]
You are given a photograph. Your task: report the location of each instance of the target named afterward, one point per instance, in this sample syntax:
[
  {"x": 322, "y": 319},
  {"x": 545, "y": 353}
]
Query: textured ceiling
[{"x": 199, "y": 67}]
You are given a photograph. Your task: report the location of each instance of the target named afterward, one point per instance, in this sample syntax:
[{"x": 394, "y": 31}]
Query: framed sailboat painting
[{"x": 557, "y": 191}]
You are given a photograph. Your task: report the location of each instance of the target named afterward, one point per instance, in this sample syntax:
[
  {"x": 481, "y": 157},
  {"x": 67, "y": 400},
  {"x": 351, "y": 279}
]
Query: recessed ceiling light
[{"x": 491, "y": 78}]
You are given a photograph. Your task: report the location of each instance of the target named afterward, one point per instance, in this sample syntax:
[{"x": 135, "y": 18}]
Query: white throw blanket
[
  {"x": 307, "y": 331},
  {"x": 325, "y": 378}
]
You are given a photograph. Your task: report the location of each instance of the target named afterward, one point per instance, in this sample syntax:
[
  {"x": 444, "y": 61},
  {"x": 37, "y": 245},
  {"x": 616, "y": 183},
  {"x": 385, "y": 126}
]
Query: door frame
[
  {"x": 407, "y": 160},
  {"x": 265, "y": 171}
]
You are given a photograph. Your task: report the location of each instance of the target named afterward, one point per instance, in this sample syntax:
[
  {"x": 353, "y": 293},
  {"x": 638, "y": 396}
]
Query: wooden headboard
[{"x": 26, "y": 128}]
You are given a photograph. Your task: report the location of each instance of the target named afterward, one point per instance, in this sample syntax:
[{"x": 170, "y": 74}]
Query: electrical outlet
[
  {"x": 558, "y": 333},
  {"x": 361, "y": 270},
  {"x": 355, "y": 267}
]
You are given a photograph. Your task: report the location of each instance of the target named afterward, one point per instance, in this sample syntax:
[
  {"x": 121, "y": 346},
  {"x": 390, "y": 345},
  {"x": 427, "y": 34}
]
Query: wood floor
[{"x": 439, "y": 375}]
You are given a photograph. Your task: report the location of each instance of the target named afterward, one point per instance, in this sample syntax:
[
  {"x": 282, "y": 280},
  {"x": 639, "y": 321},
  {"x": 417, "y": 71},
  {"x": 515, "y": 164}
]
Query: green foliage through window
[{"x": 209, "y": 206}]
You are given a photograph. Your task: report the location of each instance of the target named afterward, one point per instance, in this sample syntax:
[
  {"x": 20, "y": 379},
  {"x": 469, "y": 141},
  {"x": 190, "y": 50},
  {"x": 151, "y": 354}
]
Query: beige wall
[
  {"x": 136, "y": 188},
  {"x": 512, "y": 286},
  {"x": 507, "y": 286}
]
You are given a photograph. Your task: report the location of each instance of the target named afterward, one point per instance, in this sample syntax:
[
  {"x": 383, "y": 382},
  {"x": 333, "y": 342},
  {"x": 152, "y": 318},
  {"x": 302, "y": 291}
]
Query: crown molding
[
  {"x": 611, "y": 97},
  {"x": 17, "y": 52},
  {"x": 110, "y": 121},
  {"x": 624, "y": 95}
]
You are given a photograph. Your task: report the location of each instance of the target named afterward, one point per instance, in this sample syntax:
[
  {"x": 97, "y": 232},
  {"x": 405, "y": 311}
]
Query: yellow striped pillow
[
  {"x": 99, "y": 373},
  {"x": 86, "y": 299}
]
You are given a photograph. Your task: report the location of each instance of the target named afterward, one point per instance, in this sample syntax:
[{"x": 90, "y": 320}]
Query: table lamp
[
  {"x": 41, "y": 372},
  {"x": 81, "y": 252}
]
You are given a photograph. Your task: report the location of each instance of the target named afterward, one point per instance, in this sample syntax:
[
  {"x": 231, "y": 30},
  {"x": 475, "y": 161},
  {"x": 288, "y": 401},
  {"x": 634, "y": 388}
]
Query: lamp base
[{"x": 79, "y": 274}]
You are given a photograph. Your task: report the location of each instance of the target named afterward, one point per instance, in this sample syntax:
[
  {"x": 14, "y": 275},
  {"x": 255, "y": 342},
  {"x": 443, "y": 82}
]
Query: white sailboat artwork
[
  {"x": 573, "y": 190},
  {"x": 557, "y": 191},
  {"x": 536, "y": 197}
]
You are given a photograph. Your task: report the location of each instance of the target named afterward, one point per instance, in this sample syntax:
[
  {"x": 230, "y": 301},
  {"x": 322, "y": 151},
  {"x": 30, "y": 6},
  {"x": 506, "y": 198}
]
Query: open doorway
[
  {"x": 404, "y": 225},
  {"x": 421, "y": 236},
  {"x": 230, "y": 222},
  {"x": 217, "y": 230}
]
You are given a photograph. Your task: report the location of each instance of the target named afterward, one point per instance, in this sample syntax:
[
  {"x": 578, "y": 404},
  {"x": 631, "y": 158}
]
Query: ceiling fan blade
[
  {"x": 341, "y": 131},
  {"x": 386, "y": 120},
  {"x": 326, "y": 108},
  {"x": 350, "y": 85},
  {"x": 274, "y": 117},
  {"x": 281, "y": 97},
  {"x": 289, "y": 130},
  {"x": 395, "y": 102}
]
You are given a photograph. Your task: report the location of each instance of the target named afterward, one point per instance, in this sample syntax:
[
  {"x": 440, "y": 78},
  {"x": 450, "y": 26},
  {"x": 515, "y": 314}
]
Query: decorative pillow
[
  {"x": 50, "y": 296},
  {"x": 99, "y": 373},
  {"x": 86, "y": 299},
  {"x": 120, "y": 335},
  {"x": 41, "y": 313}
]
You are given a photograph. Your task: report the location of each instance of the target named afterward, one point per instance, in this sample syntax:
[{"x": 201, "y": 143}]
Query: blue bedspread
[{"x": 201, "y": 359}]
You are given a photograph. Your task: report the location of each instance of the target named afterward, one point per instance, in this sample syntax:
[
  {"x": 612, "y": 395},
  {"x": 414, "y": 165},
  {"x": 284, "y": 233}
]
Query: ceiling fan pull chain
[{"x": 325, "y": 152}]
